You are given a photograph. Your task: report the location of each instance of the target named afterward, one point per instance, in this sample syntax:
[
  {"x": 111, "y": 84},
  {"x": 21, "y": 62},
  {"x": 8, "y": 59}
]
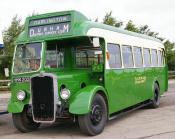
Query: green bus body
[{"x": 120, "y": 87}]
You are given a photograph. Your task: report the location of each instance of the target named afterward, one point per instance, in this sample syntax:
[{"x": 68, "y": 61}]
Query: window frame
[
  {"x": 121, "y": 60},
  {"x": 56, "y": 46},
  {"x": 150, "y": 57},
  {"x": 153, "y": 49},
  {"x": 131, "y": 54},
  {"x": 74, "y": 56},
  {"x": 163, "y": 57},
  {"x": 41, "y": 61},
  {"x": 141, "y": 56},
  {"x": 159, "y": 51}
]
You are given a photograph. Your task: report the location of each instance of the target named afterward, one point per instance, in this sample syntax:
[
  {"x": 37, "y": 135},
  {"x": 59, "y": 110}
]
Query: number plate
[{"x": 21, "y": 80}]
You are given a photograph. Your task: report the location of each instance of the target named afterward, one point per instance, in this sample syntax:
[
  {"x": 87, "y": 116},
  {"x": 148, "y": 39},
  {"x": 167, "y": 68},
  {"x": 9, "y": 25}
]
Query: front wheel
[
  {"x": 94, "y": 122},
  {"x": 23, "y": 122},
  {"x": 156, "y": 98}
]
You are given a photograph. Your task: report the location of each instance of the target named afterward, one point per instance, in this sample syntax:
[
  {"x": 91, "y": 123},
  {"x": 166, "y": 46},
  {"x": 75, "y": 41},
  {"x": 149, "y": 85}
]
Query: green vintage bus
[{"x": 67, "y": 67}]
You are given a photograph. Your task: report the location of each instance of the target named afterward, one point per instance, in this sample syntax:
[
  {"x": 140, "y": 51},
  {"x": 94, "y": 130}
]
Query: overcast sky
[{"x": 158, "y": 14}]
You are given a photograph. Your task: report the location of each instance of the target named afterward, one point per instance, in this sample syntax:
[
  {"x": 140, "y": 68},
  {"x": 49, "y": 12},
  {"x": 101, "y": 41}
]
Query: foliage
[
  {"x": 110, "y": 20},
  {"x": 9, "y": 36},
  {"x": 132, "y": 27},
  {"x": 170, "y": 54}
]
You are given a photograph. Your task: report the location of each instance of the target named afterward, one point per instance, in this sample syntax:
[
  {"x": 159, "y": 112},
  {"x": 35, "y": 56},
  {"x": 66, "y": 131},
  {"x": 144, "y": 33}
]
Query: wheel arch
[
  {"x": 157, "y": 82},
  {"x": 155, "y": 100},
  {"x": 80, "y": 103},
  {"x": 104, "y": 95}
]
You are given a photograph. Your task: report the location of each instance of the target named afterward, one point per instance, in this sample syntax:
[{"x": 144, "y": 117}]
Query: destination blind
[{"x": 50, "y": 26}]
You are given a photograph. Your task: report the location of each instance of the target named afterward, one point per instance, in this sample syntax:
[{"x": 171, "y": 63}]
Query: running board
[{"x": 129, "y": 109}]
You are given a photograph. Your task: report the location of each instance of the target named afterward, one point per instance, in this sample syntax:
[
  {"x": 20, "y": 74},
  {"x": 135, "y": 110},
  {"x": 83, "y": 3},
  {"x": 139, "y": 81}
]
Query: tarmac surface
[{"x": 140, "y": 124}]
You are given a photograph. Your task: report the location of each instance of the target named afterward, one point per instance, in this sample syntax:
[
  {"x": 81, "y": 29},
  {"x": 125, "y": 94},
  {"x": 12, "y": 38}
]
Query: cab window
[{"x": 54, "y": 57}]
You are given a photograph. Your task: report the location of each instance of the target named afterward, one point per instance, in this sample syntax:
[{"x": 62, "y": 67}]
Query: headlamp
[
  {"x": 21, "y": 95},
  {"x": 65, "y": 93}
]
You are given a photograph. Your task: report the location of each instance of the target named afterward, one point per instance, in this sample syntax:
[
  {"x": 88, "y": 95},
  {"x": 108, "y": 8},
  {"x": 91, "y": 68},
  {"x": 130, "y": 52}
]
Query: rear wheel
[
  {"x": 94, "y": 122},
  {"x": 156, "y": 98},
  {"x": 23, "y": 122}
]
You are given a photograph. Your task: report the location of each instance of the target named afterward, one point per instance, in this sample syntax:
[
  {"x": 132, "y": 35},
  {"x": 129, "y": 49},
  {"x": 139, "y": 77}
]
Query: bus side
[
  {"x": 129, "y": 84},
  {"x": 130, "y": 74}
]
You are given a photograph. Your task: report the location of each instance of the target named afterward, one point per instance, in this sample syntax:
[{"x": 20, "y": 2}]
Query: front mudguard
[
  {"x": 15, "y": 107},
  {"x": 80, "y": 103}
]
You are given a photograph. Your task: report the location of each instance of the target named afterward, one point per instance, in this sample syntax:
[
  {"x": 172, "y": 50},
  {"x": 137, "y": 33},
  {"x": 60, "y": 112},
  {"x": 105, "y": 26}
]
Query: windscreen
[{"x": 27, "y": 58}]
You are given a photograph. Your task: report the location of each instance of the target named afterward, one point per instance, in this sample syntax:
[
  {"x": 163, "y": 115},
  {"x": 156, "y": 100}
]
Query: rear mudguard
[{"x": 80, "y": 103}]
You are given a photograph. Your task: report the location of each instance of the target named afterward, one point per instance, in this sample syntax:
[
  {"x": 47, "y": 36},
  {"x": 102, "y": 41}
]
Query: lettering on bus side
[
  {"x": 53, "y": 29},
  {"x": 140, "y": 79}
]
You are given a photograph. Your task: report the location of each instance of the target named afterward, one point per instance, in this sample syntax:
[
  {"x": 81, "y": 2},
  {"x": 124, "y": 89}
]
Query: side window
[
  {"x": 86, "y": 56},
  {"x": 138, "y": 56},
  {"x": 114, "y": 56},
  {"x": 154, "y": 57},
  {"x": 127, "y": 56},
  {"x": 162, "y": 58},
  {"x": 147, "y": 57},
  {"x": 159, "y": 58},
  {"x": 81, "y": 59}
]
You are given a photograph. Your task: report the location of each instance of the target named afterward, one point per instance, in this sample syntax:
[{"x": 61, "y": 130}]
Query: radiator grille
[{"x": 42, "y": 89}]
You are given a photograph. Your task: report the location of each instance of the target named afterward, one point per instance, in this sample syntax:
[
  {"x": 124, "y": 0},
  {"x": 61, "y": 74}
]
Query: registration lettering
[{"x": 21, "y": 80}]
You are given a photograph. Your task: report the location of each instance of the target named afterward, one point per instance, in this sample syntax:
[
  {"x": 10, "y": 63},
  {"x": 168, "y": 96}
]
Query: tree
[
  {"x": 11, "y": 34},
  {"x": 132, "y": 27},
  {"x": 144, "y": 29},
  {"x": 110, "y": 20},
  {"x": 170, "y": 55},
  {"x": 96, "y": 20},
  {"x": 9, "y": 37}
]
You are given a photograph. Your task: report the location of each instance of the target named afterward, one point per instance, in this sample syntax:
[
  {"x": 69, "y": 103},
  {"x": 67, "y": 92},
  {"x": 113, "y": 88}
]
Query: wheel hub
[{"x": 96, "y": 114}]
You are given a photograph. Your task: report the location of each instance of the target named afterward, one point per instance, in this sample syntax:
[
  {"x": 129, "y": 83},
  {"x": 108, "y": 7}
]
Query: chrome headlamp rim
[
  {"x": 21, "y": 95},
  {"x": 65, "y": 94}
]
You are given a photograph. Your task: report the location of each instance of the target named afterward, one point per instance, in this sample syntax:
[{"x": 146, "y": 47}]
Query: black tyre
[
  {"x": 156, "y": 99},
  {"x": 94, "y": 122},
  {"x": 23, "y": 122}
]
